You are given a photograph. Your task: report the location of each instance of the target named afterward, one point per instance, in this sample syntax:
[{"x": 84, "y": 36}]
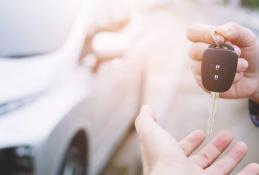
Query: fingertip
[
  {"x": 199, "y": 134},
  {"x": 237, "y": 50},
  {"x": 245, "y": 63},
  {"x": 139, "y": 120},
  {"x": 145, "y": 117},
  {"x": 238, "y": 151},
  {"x": 241, "y": 147},
  {"x": 193, "y": 30},
  {"x": 189, "y": 32},
  {"x": 250, "y": 169},
  {"x": 226, "y": 134},
  {"x": 223, "y": 139},
  {"x": 147, "y": 111},
  {"x": 145, "y": 108},
  {"x": 237, "y": 34},
  {"x": 253, "y": 167},
  {"x": 229, "y": 30}
]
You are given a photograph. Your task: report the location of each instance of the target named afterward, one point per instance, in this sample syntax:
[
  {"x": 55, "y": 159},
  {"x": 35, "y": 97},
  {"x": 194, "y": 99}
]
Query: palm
[
  {"x": 202, "y": 163},
  {"x": 247, "y": 85},
  {"x": 243, "y": 88},
  {"x": 163, "y": 155}
]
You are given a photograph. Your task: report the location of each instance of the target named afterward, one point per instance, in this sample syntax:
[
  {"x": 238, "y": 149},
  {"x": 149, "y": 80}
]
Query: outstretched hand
[{"x": 163, "y": 155}]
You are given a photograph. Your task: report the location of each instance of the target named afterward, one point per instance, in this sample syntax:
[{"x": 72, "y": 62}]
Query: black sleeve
[{"x": 254, "y": 112}]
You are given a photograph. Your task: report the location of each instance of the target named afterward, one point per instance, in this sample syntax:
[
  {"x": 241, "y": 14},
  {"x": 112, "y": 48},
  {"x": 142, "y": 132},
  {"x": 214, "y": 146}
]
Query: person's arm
[
  {"x": 163, "y": 155},
  {"x": 254, "y": 112}
]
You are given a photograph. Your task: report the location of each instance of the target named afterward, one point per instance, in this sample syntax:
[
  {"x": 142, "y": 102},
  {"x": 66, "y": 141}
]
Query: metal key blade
[{"x": 211, "y": 120}]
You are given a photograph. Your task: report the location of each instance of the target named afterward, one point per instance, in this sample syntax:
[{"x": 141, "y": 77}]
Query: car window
[{"x": 31, "y": 27}]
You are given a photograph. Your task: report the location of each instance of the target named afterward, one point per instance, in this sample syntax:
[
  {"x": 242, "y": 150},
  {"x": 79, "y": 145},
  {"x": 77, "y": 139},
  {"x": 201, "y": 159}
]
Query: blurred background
[{"x": 74, "y": 74}]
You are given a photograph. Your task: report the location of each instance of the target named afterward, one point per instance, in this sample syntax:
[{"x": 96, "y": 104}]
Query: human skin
[
  {"x": 163, "y": 155},
  {"x": 246, "y": 83}
]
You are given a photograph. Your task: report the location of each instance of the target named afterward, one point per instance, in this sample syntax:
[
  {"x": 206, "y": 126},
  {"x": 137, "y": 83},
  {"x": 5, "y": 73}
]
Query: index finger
[
  {"x": 201, "y": 33},
  {"x": 148, "y": 130}
]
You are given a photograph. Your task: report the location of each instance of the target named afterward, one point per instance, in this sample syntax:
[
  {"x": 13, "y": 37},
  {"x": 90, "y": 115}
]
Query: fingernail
[
  {"x": 244, "y": 64},
  {"x": 237, "y": 50}
]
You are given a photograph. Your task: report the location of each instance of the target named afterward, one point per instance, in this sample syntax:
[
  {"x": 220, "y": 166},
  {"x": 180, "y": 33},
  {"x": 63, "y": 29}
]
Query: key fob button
[
  {"x": 216, "y": 77},
  {"x": 218, "y": 68}
]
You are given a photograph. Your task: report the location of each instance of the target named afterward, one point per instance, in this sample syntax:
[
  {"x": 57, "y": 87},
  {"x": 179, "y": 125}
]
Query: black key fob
[{"x": 218, "y": 67}]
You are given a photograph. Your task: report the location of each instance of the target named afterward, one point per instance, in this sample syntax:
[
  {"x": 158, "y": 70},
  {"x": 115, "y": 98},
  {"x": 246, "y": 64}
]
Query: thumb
[
  {"x": 151, "y": 135},
  {"x": 237, "y": 34}
]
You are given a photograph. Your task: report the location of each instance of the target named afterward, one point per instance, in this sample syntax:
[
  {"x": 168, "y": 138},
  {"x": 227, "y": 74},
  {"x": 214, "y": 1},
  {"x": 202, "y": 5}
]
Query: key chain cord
[{"x": 214, "y": 95}]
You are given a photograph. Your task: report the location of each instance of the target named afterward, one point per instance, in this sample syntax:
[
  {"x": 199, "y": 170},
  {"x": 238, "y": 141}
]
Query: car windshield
[{"x": 31, "y": 27}]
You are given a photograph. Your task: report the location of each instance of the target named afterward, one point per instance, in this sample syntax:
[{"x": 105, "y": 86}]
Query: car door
[{"x": 113, "y": 103}]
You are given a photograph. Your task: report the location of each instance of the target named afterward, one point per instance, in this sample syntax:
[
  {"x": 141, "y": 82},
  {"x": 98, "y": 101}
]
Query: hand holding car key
[{"x": 218, "y": 70}]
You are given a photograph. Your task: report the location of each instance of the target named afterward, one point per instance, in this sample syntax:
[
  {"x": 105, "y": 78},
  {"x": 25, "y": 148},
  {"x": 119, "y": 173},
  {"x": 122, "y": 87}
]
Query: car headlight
[{"x": 16, "y": 161}]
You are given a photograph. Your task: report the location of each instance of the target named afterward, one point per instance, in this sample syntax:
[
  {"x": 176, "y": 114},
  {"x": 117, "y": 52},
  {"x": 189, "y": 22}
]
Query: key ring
[{"x": 215, "y": 38}]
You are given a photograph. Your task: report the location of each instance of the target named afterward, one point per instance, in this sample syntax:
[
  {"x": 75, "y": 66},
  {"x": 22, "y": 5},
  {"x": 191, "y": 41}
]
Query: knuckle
[
  {"x": 194, "y": 52},
  {"x": 198, "y": 78},
  {"x": 193, "y": 68},
  {"x": 205, "y": 159},
  {"x": 189, "y": 33},
  {"x": 233, "y": 30}
]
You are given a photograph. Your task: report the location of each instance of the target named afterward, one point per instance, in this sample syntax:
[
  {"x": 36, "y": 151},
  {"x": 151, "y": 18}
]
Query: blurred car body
[{"x": 56, "y": 117}]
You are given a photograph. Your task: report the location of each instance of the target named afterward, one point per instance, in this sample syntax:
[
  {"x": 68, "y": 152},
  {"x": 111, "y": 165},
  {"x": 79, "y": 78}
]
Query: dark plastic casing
[{"x": 218, "y": 68}]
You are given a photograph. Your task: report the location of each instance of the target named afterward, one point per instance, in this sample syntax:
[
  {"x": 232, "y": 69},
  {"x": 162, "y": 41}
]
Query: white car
[{"x": 56, "y": 116}]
